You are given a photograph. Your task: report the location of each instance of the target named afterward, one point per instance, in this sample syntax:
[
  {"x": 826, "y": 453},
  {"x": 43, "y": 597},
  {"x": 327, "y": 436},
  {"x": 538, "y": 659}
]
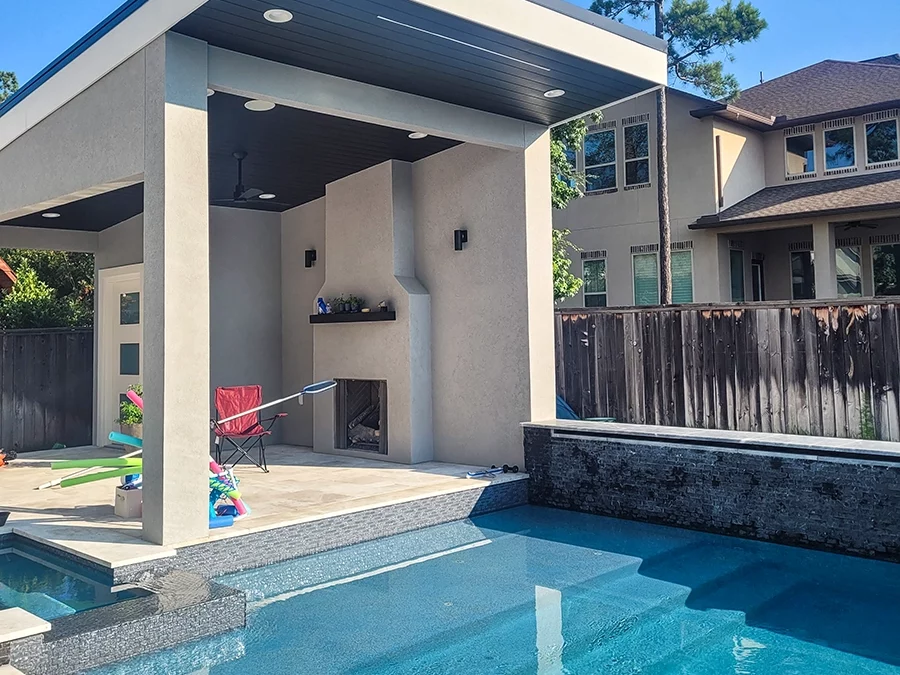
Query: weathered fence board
[
  {"x": 791, "y": 367},
  {"x": 46, "y": 388}
]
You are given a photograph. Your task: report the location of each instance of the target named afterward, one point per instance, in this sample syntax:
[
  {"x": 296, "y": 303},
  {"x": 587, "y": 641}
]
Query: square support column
[
  {"x": 824, "y": 260},
  {"x": 176, "y": 292},
  {"x": 539, "y": 279}
]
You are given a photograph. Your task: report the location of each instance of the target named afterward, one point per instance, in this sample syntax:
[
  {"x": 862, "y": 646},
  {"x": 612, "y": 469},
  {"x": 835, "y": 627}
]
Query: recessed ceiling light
[
  {"x": 278, "y": 15},
  {"x": 257, "y": 105},
  {"x": 267, "y": 195},
  {"x": 50, "y": 214},
  {"x": 554, "y": 93},
  {"x": 416, "y": 135},
  {"x": 209, "y": 92}
]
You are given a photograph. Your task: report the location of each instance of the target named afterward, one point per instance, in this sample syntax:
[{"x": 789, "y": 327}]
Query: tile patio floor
[{"x": 301, "y": 486}]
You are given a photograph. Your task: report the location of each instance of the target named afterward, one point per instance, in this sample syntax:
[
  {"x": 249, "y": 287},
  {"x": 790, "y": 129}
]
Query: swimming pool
[
  {"x": 536, "y": 590},
  {"x": 50, "y": 586}
]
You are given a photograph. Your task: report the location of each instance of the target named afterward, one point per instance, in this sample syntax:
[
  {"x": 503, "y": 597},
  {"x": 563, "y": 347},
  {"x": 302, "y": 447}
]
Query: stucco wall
[
  {"x": 743, "y": 161},
  {"x": 619, "y": 220},
  {"x": 245, "y": 292},
  {"x": 479, "y": 300},
  {"x": 96, "y": 138},
  {"x": 302, "y": 228}
]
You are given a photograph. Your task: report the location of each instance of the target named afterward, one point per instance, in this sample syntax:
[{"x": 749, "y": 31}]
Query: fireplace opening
[{"x": 361, "y": 416}]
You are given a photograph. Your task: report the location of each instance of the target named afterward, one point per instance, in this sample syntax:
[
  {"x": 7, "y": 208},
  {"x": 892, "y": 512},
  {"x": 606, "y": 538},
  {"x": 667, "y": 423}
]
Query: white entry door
[{"x": 120, "y": 355}]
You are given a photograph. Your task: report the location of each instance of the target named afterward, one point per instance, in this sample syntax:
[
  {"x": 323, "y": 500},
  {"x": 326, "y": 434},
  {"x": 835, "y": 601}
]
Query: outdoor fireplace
[{"x": 360, "y": 416}]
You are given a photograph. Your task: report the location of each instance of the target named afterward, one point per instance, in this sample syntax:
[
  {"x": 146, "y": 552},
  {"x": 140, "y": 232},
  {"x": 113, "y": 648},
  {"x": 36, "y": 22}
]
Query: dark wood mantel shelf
[{"x": 353, "y": 317}]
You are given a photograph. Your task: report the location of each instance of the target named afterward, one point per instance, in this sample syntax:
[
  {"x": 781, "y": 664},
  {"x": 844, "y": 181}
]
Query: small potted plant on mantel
[{"x": 131, "y": 418}]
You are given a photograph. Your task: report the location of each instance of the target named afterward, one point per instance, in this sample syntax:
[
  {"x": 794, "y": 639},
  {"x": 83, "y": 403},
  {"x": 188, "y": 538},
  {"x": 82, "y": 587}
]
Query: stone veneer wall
[
  {"x": 844, "y": 505},
  {"x": 257, "y": 549}
]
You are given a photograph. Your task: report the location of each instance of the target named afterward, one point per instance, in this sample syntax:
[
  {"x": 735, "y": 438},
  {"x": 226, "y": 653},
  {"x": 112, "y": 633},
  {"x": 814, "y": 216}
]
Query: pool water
[
  {"x": 535, "y": 590},
  {"x": 50, "y": 586}
]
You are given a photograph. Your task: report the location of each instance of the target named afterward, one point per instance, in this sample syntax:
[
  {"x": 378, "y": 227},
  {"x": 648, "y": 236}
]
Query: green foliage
[
  {"x": 129, "y": 413},
  {"x": 699, "y": 38},
  {"x": 8, "y": 84},
  {"x": 566, "y": 183},
  {"x": 867, "y": 430},
  {"x": 54, "y": 289},
  {"x": 565, "y": 284}
]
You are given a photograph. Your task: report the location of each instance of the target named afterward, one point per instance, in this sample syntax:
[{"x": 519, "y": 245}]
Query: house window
[
  {"x": 682, "y": 277},
  {"x": 637, "y": 154},
  {"x": 848, "y": 266},
  {"x": 645, "y": 267},
  {"x": 839, "y": 148},
  {"x": 803, "y": 281},
  {"x": 600, "y": 160},
  {"x": 737, "y": 275},
  {"x": 800, "y": 154},
  {"x": 886, "y": 267},
  {"x": 881, "y": 142},
  {"x": 594, "y": 272},
  {"x": 758, "y": 279}
]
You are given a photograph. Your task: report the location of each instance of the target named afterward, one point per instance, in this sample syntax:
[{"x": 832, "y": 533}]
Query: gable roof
[
  {"x": 824, "y": 89},
  {"x": 888, "y": 60},
  {"x": 877, "y": 191}
]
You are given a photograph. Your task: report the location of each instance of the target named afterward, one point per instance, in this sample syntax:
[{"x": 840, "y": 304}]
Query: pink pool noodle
[
  {"x": 134, "y": 398},
  {"x": 238, "y": 503}
]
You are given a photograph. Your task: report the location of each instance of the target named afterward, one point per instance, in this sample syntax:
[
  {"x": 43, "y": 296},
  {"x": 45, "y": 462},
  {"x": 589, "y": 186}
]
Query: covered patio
[{"x": 228, "y": 165}]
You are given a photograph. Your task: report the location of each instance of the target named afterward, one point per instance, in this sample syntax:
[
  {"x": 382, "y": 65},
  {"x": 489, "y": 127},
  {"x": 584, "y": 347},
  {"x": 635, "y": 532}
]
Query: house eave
[{"x": 713, "y": 221}]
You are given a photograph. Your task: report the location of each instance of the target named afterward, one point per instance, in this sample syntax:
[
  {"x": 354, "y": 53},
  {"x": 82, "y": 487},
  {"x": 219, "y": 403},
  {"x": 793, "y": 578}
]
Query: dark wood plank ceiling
[
  {"x": 408, "y": 47},
  {"x": 291, "y": 153}
]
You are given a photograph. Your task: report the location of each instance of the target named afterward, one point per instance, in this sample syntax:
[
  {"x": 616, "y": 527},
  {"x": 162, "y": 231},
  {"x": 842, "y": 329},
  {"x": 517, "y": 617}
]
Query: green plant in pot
[{"x": 131, "y": 418}]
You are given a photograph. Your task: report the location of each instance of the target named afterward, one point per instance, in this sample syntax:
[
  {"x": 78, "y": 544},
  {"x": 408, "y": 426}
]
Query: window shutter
[
  {"x": 682, "y": 277},
  {"x": 646, "y": 279}
]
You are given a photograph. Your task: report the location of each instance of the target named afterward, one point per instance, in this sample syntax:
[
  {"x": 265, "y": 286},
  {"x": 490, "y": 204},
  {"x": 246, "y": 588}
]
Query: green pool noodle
[
  {"x": 108, "y": 463},
  {"x": 102, "y": 475}
]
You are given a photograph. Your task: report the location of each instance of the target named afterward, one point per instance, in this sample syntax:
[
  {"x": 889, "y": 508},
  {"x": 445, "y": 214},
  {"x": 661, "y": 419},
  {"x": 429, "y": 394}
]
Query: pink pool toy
[
  {"x": 134, "y": 398},
  {"x": 225, "y": 477}
]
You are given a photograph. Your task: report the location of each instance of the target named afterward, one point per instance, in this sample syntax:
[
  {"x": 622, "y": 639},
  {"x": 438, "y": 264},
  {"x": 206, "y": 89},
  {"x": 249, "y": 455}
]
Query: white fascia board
[
  {"x": 561, "y": 32},
  {"x": 125, "y": 40},
  {"x": 251, "y": 77}
]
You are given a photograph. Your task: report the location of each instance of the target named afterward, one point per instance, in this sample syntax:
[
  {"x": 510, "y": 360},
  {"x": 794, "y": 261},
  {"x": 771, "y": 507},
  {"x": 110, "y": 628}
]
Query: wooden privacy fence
[
  {"x": 785, "y": 367},
  {"x": 46, "y": 388}
]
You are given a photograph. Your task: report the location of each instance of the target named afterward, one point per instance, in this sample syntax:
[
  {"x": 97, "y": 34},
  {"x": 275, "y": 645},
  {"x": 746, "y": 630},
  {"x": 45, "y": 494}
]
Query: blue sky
[{"x": 800, "y": 32}]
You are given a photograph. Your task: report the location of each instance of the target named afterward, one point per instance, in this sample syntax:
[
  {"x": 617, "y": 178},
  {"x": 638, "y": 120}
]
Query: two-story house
[{"x": 791, "y": 192}]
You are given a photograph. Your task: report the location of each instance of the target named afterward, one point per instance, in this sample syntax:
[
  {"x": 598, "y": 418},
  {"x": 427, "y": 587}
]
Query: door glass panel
[
  {"x": 129, "y": 359},
  {"x": 803, "y": 281},
  {"x": 737, "y": 275},
  {"x": 848, "y": 261},
  {"x": 887, "y": 269},
  {"x": 129, "y": 309}
]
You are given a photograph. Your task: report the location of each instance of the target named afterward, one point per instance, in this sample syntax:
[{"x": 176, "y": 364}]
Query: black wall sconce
[
  {"x": 460, "y": 239},
  {"x": 310, "y": 257}
]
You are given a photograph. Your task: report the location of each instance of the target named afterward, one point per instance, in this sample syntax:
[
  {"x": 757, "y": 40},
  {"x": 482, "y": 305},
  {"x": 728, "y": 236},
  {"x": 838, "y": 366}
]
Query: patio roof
[
  {"x": 868, "y": 192},
  {"x": 499, "y": 57}
]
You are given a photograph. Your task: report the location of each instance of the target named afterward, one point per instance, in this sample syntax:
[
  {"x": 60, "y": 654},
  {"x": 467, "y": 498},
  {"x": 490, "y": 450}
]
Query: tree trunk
[
  {"x": 662, "y": 179},
  {"x": 662, "y": 183}
]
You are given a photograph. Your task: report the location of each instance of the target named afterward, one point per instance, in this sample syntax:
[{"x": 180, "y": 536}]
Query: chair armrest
[{"x": 269, "y": 422}]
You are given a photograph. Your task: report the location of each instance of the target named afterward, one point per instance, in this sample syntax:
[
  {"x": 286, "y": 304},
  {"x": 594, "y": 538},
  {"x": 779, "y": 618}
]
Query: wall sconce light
[
  {"x": 310, "y": 257},
  {"x": 460, "y": 239}
]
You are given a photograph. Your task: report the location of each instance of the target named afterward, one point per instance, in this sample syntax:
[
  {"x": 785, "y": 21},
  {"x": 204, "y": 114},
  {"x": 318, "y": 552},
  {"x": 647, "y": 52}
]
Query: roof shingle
[
  {"x": 877, "y": 191},
  {"x": 823, "y": 88}
]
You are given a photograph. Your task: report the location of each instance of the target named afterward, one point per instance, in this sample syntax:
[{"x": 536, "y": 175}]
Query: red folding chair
[{"x": 246, "y": 432}]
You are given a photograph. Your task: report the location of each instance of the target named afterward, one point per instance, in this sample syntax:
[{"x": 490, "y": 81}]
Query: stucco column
[
  {"x": 538, "y": 277},
  {"x": 823, "y": 249},
  {"x": 176, "y": 292}
]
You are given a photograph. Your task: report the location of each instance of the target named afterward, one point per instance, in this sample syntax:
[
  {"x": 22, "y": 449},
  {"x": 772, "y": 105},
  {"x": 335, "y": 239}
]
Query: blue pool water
[
  {"x": 534, "y": 590},
  {"x": 48, "y": 585}
]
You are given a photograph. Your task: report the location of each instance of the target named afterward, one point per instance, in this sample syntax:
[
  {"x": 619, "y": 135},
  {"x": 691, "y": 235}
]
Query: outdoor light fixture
[
  {"x": 460, "y": 239},
  {"x": 278, "y": 15},
  {"x": 554, "y": 93},
  {"x": 416, "y": 135},
  {"x": 209, "y": 92},
  {"x": 257, "y": 105},
  {"x": 267, "y": 195},
  {"x": 309, "y": 257},
  {"x": 50, "y": 214}
]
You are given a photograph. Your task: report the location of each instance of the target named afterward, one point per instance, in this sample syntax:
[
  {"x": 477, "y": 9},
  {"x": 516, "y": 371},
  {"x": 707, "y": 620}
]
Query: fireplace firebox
[{"x": 360, "y": 410}]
